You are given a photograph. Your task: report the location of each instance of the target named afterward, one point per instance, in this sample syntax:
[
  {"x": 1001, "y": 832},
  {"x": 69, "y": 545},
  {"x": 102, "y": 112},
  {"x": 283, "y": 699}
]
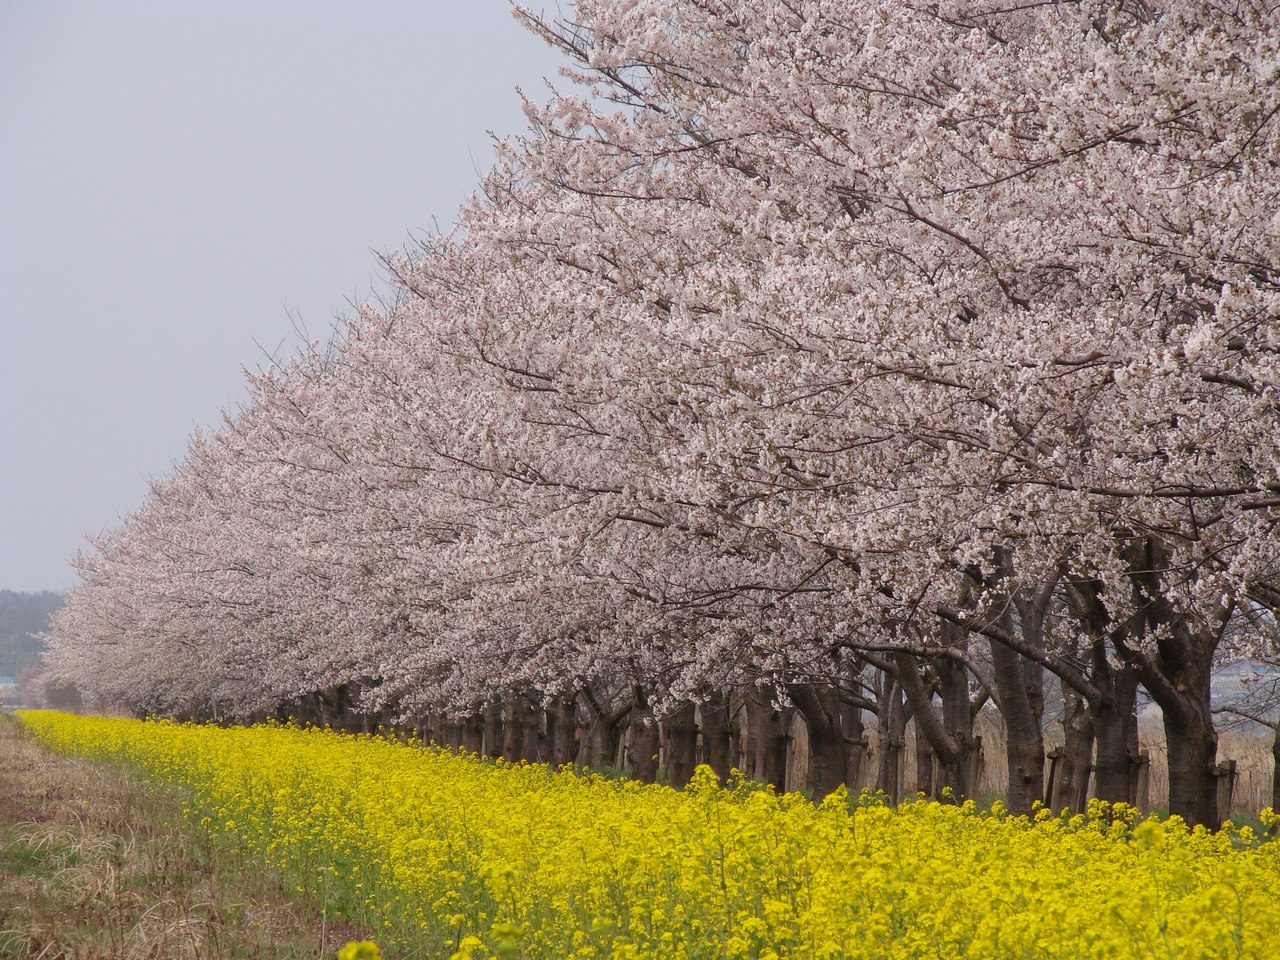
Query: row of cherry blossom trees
[{"x": 807, "y": 356}]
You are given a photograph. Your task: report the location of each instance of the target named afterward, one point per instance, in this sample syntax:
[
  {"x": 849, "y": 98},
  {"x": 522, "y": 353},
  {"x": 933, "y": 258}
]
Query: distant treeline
[{"x": 22, "y": 617}]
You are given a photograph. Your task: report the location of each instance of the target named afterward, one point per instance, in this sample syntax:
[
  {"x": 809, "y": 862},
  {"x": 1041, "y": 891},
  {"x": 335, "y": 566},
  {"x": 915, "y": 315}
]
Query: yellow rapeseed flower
[{"x": 460, "y": 857}]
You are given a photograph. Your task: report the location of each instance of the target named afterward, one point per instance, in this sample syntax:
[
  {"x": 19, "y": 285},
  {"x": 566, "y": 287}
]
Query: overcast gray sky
[{"x": 177, "y": 180}]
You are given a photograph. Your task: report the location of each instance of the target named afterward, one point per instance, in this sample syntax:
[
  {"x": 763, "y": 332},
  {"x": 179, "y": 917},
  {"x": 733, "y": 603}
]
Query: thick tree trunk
[
  {"x": 473, "y": 733},
  {"x": 561, "y": 726},
  {"x": 1193, "y": 755},
  {"x": 766, "y": 739},
  {"x": 512, "y": 729},
  {"x": 819, "y": 705},
  {"x": 1112, "y": 702},
  {"x": 955, "y": 768},
  {"x": 1071, "y": 785},
  {"x": 335, "y": 706},
  {"x": 603, "y": 735},
  {"x": 924, "y": 764},
  {"x": 451, "y": 733},
  {"x": 714, "y": 714},
  {"x": 945, "y": 744},
  {"x": 1024, "y": 741},
  {"x": 642, "y": 755},
  {"x": 520, "y": 729},
  {"x": 1112, "y": 717},
  {"x": 1177, "y": 677},
  {"x": 1275, "y": 772},
  {"x": 601, "y": 748},
  {"x": 680, "y": 744},
  {"x": 855, "y": 743},
  {"x": 892, "y": 721},
  {"x": 429, "y": 729},
  {"x": 493, "y": 733}
]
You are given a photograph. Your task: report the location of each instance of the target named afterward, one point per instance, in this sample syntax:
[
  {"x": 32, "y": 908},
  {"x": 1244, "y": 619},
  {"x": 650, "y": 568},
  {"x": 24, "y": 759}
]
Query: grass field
[{"x": 437, "y": 855}]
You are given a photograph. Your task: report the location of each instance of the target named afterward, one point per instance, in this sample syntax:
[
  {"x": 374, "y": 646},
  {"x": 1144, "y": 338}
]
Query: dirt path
[{"x": 93, "y": 867}]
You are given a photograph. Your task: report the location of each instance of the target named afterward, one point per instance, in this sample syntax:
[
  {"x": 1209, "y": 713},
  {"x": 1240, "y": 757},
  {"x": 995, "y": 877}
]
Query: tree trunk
[
  {"x": 924, "y": 764},
  {"x": 451, "y": 733},
  {"x": 714, "y": 714},
  {"x": 1275, "y": 775},
  {"x": 1071, "y": 786},
  {"x": 1112, "y": 704},
  {"x": 893, "y": 724},
  {"x": 1193, "y": 753},
  {"x": 855, "y": 742},
  {"x": 946, "y": 737},
  {"x": 1112, "y": 716},
  {"x": 512, "y": 730},
  {"x": 1024, "y": 741},
  {"x": 600, "y": 748},
  {"x": 766, "y": 739},
  {"x": 561, "y": 727},
  {"x": 520, "y": 730},
  {"x": 642, "y": 757},
  {"x": 1177, "y": 677},
  {"x": 955, "y": 769},
  {"x": 819, "y": 705},
  {"x": 335, "y": 706},
  {"x": 493, "y": 734},
  {"x": 680, "y": 738},
  {"x": 429, "y": 731},
  {"x": 473, "y": 733}
]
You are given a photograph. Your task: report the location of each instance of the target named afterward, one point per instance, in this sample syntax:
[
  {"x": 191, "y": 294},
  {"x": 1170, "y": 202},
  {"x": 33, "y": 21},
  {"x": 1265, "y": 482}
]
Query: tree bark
[
  {"x": 946, "y": 735},
  {"x": 680, "y": 744},
  {"x": 766, "y": 739},
  {"x": 820, "y": 706},
  {"x": 429, "y": 731},
  {"x": 893, "y": 724},
  {"x": 714, "y": 714},
  {"x": 1275, "y": 773},
  {"x": 520, "y": 729},
  {"x": 956, "y": 770},
  {"x": 1019, "y": 681},
  {"x": 1024, "y": 741},
  {"x": 1112, "y": 694},
  {"x": 924, "y": 764},
  {"x": 855, "y": 742},
  {"x": 642, "y": 756},
  {"x": 493, "y": 734},
  {"x": 1071, "y": 788},
  {"x": 1177, "y": 677},
  {"x": 451, "y": 733},
  {"x": 1193, "y": 748},
  {"x": 603, "y": 734},
  {"x": 559, "y": 747},
  {"x": 473, "y": 733}
]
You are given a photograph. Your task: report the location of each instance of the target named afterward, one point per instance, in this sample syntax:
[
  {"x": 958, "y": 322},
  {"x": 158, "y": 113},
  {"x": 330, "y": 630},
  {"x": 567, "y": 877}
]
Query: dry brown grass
[{"x": 96, "y": 867}]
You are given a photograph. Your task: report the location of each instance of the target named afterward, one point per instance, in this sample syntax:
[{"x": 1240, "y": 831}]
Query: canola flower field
[{"x": 437, "y": 855}]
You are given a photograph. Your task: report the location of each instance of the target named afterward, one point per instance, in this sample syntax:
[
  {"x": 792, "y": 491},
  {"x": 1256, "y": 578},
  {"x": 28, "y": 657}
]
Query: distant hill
[{"x": 22, "y": 615}]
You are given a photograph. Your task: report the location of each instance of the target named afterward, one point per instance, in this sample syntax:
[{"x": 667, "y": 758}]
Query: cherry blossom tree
[{"x": 801, "y": 336}]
